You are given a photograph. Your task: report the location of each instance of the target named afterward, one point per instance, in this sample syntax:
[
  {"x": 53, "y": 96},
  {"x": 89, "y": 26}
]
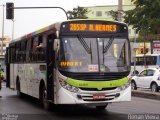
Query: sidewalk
[
  {"x": 6, "y": 92},
  {"x": 146, "y": 94}
]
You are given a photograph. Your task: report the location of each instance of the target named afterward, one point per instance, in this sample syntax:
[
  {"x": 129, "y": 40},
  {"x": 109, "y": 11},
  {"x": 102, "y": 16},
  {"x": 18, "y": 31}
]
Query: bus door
[
  {"x": 7, "y": 61},
  {"x": 50, "y": 66}
]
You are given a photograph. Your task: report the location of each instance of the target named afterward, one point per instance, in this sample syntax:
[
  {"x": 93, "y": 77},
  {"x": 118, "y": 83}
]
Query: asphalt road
[{"x": 27, "y": 108}]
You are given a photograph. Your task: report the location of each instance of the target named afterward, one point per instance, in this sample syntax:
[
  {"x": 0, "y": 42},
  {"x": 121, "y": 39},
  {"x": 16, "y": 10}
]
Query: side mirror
[{"x": 56, "y": 45}]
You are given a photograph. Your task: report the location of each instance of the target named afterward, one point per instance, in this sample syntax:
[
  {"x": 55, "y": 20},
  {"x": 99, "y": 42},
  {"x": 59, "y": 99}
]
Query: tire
[
  {"x": 154, "y": 87},
  {"x": 101, "y": 107},
  {"x": 19, "y": 93},
  {"x": 133, "y": 85},
  {"x": 43, "y": 99}
]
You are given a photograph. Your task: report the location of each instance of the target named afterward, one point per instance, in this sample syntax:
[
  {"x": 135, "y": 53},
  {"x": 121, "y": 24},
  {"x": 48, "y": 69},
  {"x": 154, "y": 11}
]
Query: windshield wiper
[
  {"x": 105, "y": 49},
  {"x": 85, "y": 46}
]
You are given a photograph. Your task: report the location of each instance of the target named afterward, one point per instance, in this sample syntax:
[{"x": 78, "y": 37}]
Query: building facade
[
  {"x": 3, "y": 44},
  {"x": 102, "y": 12}
]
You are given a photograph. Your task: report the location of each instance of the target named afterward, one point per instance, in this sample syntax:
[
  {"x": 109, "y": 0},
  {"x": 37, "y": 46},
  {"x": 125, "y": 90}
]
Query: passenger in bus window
[{"x": 40, "y": 52}]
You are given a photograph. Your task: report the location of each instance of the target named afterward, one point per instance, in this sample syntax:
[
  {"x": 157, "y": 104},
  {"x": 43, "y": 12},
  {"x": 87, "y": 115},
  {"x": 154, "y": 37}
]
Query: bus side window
[
  {"x": 30, "y": 52},
  {"x": 35, "y": 44},
  {"x": 44, "y": 43},
  {"x": 16, "y": 52},
  {"x": 40, "y": 49},
  {"x": 12, "y": 54},
  {"x": 27, "y": 50},
  {"x": 18, "y": 56},
  {"x": 23, "y": 50}
]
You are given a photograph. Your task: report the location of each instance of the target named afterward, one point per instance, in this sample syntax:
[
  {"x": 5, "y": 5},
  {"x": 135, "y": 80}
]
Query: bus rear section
[{"x": 145, "y": 61}]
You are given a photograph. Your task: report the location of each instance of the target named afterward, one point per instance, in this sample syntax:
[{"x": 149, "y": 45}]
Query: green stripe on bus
[{"x": 97, "y": 84}]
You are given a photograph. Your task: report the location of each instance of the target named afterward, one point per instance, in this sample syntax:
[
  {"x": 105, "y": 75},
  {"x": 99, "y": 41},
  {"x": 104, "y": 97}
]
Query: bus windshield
[{"x": 80, "y": 54}]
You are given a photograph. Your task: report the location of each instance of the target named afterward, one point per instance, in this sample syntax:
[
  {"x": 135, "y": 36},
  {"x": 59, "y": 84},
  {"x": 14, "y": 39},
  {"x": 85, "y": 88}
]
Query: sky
[{"x": 30, "y": 20}]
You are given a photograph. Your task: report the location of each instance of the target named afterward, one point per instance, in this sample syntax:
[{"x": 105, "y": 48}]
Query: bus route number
[{"x": 78, "y": 27}]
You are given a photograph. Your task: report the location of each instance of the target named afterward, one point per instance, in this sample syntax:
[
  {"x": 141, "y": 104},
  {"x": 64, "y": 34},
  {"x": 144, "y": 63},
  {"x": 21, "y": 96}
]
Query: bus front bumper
[{"x": 92, "y": 97}]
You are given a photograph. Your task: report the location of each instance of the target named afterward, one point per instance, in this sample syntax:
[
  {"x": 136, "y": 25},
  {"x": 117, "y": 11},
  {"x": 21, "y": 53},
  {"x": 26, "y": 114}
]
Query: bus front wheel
[
  {"x": 19, "y": 93},
  {"x": 44, "y": 101}
]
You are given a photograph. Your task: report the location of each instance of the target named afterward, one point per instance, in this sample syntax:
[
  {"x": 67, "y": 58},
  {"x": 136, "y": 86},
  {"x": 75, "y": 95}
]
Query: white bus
[
  {"x": 146, "y": 61},
  {"x": 72, "y": 62}
]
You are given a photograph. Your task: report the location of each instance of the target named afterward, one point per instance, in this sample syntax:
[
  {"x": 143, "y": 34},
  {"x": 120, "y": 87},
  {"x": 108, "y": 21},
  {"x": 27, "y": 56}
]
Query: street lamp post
[
  {"x": 136, "y": 46},
  {"x": 120, "y": 9},
  {"x": 135, "y": 54},
  {"x": 13, "y": 30},
  {"x": 145, "y": 34},
  {"x": 2, "y": 30}
]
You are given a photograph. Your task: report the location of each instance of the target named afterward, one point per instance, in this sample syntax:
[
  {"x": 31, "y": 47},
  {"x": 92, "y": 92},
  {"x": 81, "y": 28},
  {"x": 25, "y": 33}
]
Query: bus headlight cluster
[
  {"x": 125, "y": 86},
  {"x": 68, "y": 87}
]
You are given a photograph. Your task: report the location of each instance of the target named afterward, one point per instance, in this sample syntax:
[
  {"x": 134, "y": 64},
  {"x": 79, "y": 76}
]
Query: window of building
[{"x": 99, "y": 13}]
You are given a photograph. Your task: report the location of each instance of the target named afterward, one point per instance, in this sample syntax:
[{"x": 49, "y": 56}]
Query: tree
[
  {"x": 145, "y": 16},
  {"x": 78, "y": 13},
  {"x": 114, "y": 14}
]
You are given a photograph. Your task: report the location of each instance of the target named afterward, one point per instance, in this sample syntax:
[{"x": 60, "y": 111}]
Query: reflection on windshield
[{"x": 93, "y": 55}]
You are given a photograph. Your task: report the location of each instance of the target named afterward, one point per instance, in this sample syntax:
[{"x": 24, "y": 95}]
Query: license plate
[{"x": 98, "y": 96}]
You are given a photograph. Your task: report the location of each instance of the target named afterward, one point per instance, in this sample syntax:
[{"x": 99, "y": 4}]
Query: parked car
[{"x": 147, "y": 78}]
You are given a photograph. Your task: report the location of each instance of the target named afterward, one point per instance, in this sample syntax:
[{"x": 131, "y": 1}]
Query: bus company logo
[{"x": 70, "y": 64}]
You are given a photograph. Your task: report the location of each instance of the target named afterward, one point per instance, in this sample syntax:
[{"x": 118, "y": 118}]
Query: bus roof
[{"x": 57, "y": 27}]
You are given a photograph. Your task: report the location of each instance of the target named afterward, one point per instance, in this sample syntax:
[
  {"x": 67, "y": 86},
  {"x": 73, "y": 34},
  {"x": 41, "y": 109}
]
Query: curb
[{"x": 144, "y": 94}]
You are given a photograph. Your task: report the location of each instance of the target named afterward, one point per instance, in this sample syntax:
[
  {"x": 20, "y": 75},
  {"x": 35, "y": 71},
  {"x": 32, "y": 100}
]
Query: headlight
[
  {"x": 68, "y": 87},
  {"x": 125, "y": 86}
]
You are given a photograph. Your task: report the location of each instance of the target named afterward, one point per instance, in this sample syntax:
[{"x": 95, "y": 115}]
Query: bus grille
[{"x": 89, "y": 97}]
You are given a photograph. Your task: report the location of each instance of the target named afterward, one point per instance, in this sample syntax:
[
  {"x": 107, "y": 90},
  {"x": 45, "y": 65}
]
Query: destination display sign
[{"x": 93, "y": 27}]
